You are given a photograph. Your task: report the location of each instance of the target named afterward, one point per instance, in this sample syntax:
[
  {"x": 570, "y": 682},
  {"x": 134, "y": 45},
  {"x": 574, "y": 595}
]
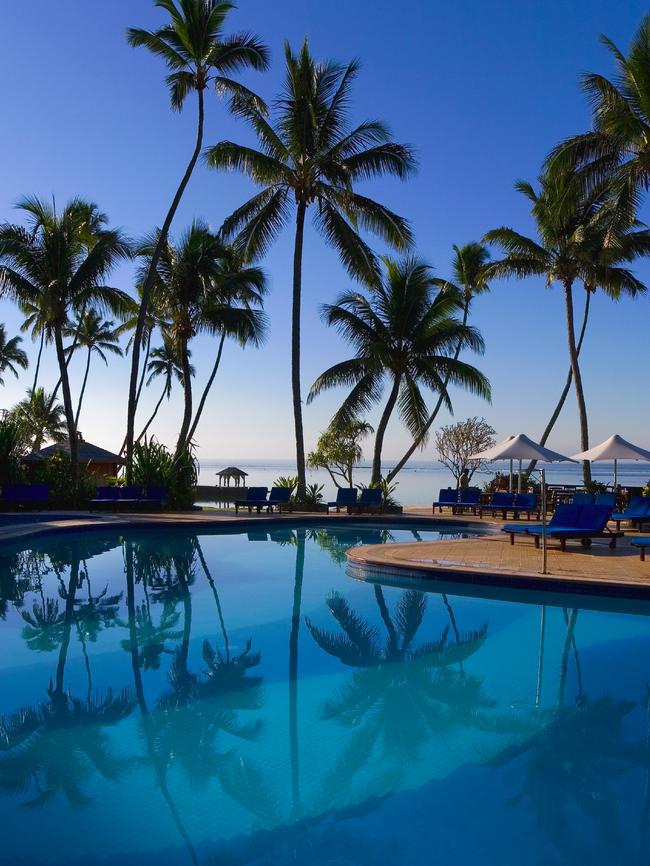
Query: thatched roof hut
[
  {"x": 231, "y": 473},
  {"x": 100, "y": 462}
]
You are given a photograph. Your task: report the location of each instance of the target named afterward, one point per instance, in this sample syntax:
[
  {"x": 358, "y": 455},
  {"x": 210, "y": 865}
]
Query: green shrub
[
  {"x": 154, "y": 464},
  {"x": 11, "y": 449},
  {"x": 313, "y": 496},
  {"x": 290, "y": 481},
  {"x": 56, "y": 472}
]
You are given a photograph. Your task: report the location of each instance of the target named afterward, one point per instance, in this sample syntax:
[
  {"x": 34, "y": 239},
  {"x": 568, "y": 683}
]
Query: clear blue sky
[{"x": 482, "y": 90}]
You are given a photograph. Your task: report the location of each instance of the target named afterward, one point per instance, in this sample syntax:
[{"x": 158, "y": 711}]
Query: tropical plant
[
  {"x": 455, "y": 444},
  {"x": 60, "y": 263},
  {"x": 12, "y": 437},
  {"x": 197, "y": 54},
  {"x": 570, "y": 230},
  {"x": 469, "y": 279},
  {"x": 164, "y": 361},
  {"x": 338, "y": 451},
  {"x": 405, "y": 333},
  {"x": 11, "y": 355},
  {"x": 202, "y": 288},
  {"x": 290, "y": 481},
  {"x": 154, "y": 464},
  {"x": 309, "y": 154},
  {"x": 42, "y": 418},
  {"x": 312, "y": 497},
  {"x": 65, "y": 491},
  {"x": 95, "y": 335}
]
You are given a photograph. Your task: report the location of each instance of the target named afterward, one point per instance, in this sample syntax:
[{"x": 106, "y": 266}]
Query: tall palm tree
[
  {"x": 11, "y": 355},
  {"x": 469, "y": 279},
  {"x": 164, "y": 362},
  {"x": 95, "y": 335},
  {"x": 404, "y": 333},
  {"x": 311, "y": 155},
  {"x": 61, "y": 261},
  {"x": 569, "y": 224},
  {"x": 42, "y": 417},
  {"x": 618, "y": 146},
  {"x": 197, "y": 54}
]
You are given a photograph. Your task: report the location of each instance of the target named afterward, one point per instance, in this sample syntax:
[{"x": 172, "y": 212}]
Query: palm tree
[
  {"x": 198, "y": 285},
  {"x": 568, "y": 226},
  {"x": 469, "y": 279},
  {"x": 614, "y": 242},
  {"x": 618, "y": 147},
  {"x": 42, "y": 417},
  {"x": 164, "y": 361},
  {"x": 402, "y": 332},
  {"x": 312, "y": 156},
  {"x": 35, "y": 319},
  {"x": 11, "y": 355},
  {"x": 197, "y": 54},
  {"x": 95, "y": 335},
  {"x": 60, "y": 261}
]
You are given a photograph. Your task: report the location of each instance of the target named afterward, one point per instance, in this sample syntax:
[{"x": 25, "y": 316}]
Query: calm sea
[{"x": 421, "y": 480}]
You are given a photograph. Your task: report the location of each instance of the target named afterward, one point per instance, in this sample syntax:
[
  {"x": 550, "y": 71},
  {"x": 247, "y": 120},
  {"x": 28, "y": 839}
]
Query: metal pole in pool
[{"x": 542, "y": 474}]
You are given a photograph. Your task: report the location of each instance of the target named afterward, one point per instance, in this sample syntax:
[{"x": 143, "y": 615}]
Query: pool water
[{"x": 236, "y": 698}]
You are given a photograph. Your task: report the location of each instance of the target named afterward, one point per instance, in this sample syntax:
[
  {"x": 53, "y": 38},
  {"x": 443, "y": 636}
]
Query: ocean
[{"x": 420, "y": 481}]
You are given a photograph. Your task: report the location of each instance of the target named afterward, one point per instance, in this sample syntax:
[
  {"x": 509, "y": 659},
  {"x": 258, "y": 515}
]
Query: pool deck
[{"x": 489, "y": 559}]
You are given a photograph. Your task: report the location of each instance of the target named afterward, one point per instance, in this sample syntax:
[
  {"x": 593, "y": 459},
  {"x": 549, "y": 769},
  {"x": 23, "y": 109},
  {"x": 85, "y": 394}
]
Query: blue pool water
[{"x": 240, "y": 698}]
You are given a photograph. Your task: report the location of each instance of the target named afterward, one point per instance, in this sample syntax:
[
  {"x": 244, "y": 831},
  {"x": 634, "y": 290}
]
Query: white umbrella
[
  {"x": 520, "y": 447},
  {"x": 615, "y": 448}
]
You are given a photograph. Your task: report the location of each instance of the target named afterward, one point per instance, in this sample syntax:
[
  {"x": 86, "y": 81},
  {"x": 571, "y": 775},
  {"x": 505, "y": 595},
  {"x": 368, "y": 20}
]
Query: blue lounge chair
[
  {"x": 583, "y": 522},
  {"x": 525, "y": 502},
  {"x": 642, "y": 544},
  {"x": 130, "y": 495},
  {"x": 106, "y": 496},
  {"x": 155, "y": 496},
  {"x": 370, "y": 500},
  {"x": 25, "y": 495},
  {"x": 499, "y": 501},
  {"x": 280, "y": 497},
  {"x": 346, "y": 497},
  {"x": 637, "y": 511},
  {"x": 470, "y": 497},
  {"x": 582, "y": 498},
  {"x": 256, "y": 497},
  {"x": 448, "y": 497},
  {"x": 605, "y": 499}
]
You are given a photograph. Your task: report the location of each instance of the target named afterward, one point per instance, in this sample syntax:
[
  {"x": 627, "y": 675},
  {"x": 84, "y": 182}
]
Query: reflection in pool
[{"x": 235, "y": 698}]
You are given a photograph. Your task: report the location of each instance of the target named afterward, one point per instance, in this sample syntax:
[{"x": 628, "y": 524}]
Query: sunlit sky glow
[{"x": 482, "y": 91}]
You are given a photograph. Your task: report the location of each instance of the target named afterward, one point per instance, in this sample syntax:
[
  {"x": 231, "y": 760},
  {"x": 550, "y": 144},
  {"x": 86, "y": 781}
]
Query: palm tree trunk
[
  {"x": 564, "y": 665},
  {"x": 144, "y": 370},
  {"x": 295, "y": 349},
  {"x": 153, "y": 414},
  {"x": 187, "y": 396},
  {"x": 38, "y": 360},
  {"x": 293, "y": 670},
  {"x": 67, "y": 403},
  {"x": 432, "y": 417},
  {"x": 147, "y": 287},
  {"x": 381, "y": 431},
  {"x": 577, "y": 378},
  {"x": 217, "y": 601},
  {"x": 206, "y": 390},
  {"x": 83, "y": 388},
  {"x": 567, "y": 387}
]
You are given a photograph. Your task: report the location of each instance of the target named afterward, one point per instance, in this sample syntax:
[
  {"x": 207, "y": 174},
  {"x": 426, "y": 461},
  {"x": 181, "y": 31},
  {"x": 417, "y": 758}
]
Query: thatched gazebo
[
  {"x": 99, "y": 462},
  {"x": 231, "y": 473}
]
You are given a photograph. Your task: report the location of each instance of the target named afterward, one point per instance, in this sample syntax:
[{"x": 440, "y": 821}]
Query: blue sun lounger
[
  {"x": 637, "y": 511},
  {"x": 470, "y": 497},
  {"x": 25, "y": 495},
  {"x": 526, "y": 502},
  {"x": 280, "y": 497},
  {"x": 582, "y": 522},
  {"x": 499, "y": 501},
  {"x": 370, "y": 500},
  {"x": 448, "y": 497},
  {"x": 346, "y": 497},
  {"x": 106, "y": 496},
  {"x": 256, "y": 497},
  {"x": 642, "y": 544}
]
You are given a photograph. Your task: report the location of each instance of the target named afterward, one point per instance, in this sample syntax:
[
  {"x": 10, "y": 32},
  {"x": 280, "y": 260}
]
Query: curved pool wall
[{"x": 233, "y": 697}]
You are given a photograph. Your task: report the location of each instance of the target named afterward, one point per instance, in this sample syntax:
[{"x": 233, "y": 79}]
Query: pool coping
[{"x": 86, "y": 522}]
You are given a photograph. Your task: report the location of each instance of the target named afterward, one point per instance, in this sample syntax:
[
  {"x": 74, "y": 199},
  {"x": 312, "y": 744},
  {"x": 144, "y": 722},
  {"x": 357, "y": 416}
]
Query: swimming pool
[{"x": 237, "y": 698}]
